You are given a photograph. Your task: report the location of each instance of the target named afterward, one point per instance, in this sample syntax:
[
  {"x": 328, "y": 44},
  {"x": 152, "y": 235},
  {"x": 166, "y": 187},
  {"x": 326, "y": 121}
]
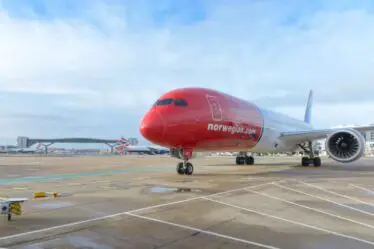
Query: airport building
[{"x": 369, "y": 136}]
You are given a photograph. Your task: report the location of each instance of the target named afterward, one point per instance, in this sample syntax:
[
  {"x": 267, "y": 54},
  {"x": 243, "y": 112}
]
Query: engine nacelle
[
  {"x": 4, "y": 208},
  {"x": 345, "y": 145}
]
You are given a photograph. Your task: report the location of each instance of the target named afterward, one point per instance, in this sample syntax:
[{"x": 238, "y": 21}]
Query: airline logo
[
  {"x": 215, "y": 107},
  {"x": 232, "y": 129}
]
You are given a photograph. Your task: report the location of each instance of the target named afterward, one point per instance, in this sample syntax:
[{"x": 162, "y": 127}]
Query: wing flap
[{"x": 318, "y": 134}]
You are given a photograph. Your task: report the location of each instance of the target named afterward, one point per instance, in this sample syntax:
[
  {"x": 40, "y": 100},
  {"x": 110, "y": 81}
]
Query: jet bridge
[{"x": 25, "y": 142}]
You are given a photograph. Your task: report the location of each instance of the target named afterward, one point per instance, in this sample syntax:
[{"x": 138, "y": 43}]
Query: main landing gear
[
  {"x": 310, "y": 159},
  {"x": 243, "y": 158}
]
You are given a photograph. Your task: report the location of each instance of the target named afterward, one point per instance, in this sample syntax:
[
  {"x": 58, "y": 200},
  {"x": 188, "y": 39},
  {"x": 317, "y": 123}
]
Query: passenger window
[{"x": 180, "y": 102}]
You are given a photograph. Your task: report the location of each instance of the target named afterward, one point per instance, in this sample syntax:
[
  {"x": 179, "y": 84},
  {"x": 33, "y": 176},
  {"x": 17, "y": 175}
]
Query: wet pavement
[{"x": 141, "y": 202}]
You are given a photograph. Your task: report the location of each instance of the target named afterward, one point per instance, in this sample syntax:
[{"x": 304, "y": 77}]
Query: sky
[{"x": 92, "y": 68}]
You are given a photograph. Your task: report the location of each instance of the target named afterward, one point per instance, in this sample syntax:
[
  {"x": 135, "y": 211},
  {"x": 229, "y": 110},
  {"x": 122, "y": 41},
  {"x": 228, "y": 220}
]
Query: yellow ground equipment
[
  {"x": 45, "y": 194},
  {"x": 10, "y": 206}
]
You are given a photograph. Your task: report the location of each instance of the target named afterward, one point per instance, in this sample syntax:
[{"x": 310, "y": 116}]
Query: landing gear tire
[
  {"x": 185, "y": 169},
  {"x": 317, "y": 162},
  {"x": 310, "y": 159},
  {"x": 240, "y": 160},
  {"x": 180, "y": 168},
  {"x": 249, "y": 160},
  {"x": 305, "y": 161},
  {"x": 189, "y": 169}
]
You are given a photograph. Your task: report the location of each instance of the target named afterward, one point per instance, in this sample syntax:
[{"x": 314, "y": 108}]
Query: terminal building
[{"x": 25, "y": 142}]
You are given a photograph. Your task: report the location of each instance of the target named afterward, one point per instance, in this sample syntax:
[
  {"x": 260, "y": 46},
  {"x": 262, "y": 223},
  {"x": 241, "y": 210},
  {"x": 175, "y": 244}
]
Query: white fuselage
[{"x": 274, "y": 124}]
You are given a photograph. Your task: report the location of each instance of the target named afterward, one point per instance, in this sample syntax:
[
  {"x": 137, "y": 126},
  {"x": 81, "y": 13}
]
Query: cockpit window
[
  {"x": 167, "y": 101},
  {"x": 180, "y": 102}
]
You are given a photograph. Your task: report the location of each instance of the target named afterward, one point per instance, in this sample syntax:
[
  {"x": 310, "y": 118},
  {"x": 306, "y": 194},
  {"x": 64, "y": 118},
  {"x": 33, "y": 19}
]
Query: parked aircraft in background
[
  {"x": 15, "y": 150},
  {"x": 190, "y": 120},
  {"x": 149, "y": 150}
]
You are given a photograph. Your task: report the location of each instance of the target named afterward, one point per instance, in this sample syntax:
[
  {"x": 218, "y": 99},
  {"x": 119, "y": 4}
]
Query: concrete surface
[{"x": 141, "y": 202}]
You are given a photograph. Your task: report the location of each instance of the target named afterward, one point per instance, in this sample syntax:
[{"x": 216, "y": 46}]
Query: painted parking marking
[
  {"x": 324, "y": 199},
  {"x": 291, "y": 221},
  {"x": 310, "y": 208},
  {"x": 362, "y": 188},
  {"x": 124, "y": 213},
  {"x": 337, "y": 194},
  {"x": 203, "y": 231},
  {"x": 20, "y": 188}
]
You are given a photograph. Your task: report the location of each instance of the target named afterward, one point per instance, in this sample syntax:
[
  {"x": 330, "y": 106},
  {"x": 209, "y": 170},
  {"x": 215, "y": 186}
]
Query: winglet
[{"x": 308, "y": 109}]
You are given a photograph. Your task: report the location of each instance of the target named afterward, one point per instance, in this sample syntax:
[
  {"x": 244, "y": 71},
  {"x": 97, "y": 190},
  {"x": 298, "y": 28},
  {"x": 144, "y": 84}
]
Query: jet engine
[{"x": 345, "y": 145}]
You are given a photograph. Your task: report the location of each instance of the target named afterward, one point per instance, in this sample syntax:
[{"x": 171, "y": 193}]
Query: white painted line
[
  {"x": 204, "y": 231},
  {"x": 324, "y": 199},
  {"x": 197, "y": 198},
  {"x": 359, "y": 187},
  {"x": 292, "y": 222},
  {"x": 335, "y": 193},
  {"x": 123, "y": 213},
  {"x": 313, "y": 209}
]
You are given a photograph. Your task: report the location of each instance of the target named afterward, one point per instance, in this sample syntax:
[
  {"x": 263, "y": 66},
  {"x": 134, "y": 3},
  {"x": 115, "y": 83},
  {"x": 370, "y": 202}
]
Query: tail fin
[{"x": 308, "y": 109}]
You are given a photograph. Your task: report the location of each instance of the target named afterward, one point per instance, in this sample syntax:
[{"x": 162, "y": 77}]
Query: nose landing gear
[{"x": 185, "y": 167}]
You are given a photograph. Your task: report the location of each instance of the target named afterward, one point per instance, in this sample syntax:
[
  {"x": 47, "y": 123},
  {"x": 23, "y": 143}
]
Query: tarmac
[{"x": 141, "y": 202}]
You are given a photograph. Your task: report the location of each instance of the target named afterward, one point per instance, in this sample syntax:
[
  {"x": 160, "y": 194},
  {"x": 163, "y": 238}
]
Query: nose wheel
[{"x": 184, "y": 168}]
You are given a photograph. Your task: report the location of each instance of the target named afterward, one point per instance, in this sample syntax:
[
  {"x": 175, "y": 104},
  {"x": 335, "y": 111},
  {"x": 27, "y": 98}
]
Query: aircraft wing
[{"x": 317, "y": 134}]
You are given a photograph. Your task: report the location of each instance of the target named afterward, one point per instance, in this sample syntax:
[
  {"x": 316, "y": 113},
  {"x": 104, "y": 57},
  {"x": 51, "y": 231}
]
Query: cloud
[{"x": 71, "y": 58}]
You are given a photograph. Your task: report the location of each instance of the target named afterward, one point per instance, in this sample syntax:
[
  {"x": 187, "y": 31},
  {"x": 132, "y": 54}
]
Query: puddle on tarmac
[
  {"x": 363, "y": 192},
  {"x": 186, "y": 181},
  {"x": 54, "y": 205},
  {"x": 363, "y": 207},
  {"x": 162, "y": 189}
]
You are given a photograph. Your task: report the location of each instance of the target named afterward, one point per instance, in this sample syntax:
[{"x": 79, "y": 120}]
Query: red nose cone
[{"x": 153, "y": 127}]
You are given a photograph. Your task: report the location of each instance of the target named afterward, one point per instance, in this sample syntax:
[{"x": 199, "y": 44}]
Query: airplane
[
  {"x": 11, "y": 206},
  {"x": 149, "y": 150},
  {"x": 193, "y": 119}
]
